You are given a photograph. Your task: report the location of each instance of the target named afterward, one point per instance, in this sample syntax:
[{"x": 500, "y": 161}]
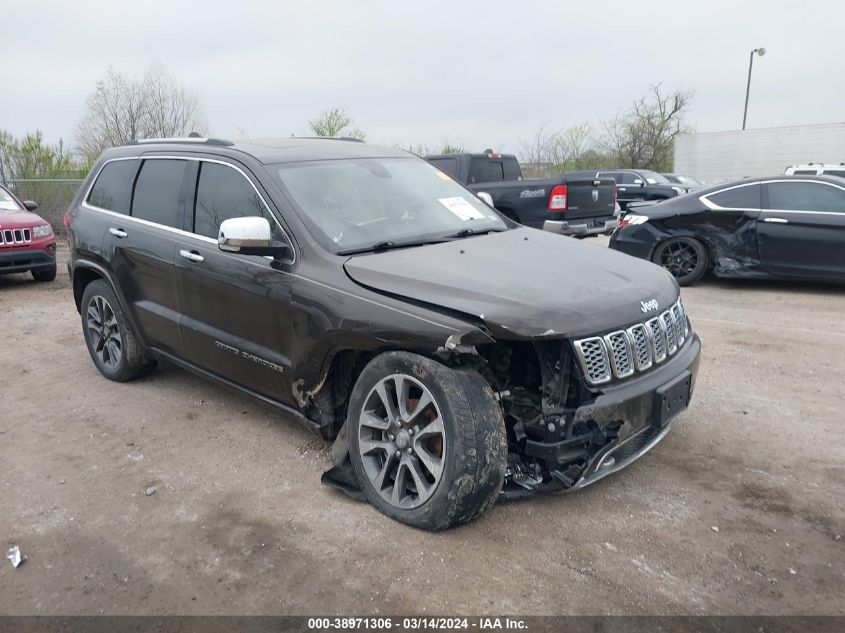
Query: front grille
[
  {"x": 15, "y": 237},
  {"x": 622, "y": 353}
]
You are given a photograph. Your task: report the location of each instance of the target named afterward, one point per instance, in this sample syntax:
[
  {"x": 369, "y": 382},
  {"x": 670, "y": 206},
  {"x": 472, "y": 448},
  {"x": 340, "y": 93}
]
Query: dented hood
[{"x": 522, "y": 283}]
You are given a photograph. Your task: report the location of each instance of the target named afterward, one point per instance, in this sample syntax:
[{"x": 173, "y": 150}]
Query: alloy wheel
[
  {"x": 402, "y": 441},
  {"x": 679, "y": 257},
  {"x": 103, "y": 331}
]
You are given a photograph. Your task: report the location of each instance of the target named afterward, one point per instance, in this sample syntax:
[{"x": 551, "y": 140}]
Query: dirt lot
[{"x": 740, "y": 510}]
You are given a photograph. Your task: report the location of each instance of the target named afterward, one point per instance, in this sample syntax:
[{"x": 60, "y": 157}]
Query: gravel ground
[{"x": 739, "y": 511}]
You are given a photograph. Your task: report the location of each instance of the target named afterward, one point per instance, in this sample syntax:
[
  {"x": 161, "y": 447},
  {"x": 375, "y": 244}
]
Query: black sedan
[{"x": 781, "y": 226}]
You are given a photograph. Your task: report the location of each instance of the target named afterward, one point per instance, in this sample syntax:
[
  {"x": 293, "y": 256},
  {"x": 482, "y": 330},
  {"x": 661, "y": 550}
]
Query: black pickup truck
[
  {"x": 567, "y": 204},
  {"x": 637, "y": 185}
]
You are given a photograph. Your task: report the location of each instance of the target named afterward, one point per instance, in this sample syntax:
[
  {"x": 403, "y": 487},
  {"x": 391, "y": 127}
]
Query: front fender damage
[{"x": 457, "y": 350}]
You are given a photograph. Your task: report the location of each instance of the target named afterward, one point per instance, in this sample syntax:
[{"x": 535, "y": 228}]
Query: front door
[
  {"x": 235, "y": 308},
  {"x": 802, "y": 228}
]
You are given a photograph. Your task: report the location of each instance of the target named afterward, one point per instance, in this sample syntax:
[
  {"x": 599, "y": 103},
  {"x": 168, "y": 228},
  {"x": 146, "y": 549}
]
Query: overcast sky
[{"x": 484, "y": 74}]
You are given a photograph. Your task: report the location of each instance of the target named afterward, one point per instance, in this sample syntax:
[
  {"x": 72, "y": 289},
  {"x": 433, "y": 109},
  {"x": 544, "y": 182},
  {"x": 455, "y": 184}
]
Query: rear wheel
[
  {"x": 684, "y": 257},
  {"x": 44, "y": 274},
  {"x": 112, "y": 344},
  {"x": 427, "y": 442}
]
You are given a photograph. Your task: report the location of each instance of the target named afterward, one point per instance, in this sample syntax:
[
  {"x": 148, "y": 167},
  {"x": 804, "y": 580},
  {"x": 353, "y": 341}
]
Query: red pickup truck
[{"x": 26, "y": 239}]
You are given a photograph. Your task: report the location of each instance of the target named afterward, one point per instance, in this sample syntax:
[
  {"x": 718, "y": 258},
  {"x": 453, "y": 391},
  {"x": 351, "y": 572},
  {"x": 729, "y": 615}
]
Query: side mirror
[
  {"x": 486, "y": 197},
  {"x": 640, "y": 182},
  {"x": 249, "y": 236},
  {"x": 29, "y": 205}
]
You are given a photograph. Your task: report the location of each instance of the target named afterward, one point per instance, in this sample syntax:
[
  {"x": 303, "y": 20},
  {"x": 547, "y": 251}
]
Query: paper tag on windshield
[{"x": 461, "y": 208}]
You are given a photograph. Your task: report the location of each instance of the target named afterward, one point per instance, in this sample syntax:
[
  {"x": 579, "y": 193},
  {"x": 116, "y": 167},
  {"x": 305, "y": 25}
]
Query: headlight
[
  {"x": 679, "y": 190},
  {"x": 42, "y": 231}
]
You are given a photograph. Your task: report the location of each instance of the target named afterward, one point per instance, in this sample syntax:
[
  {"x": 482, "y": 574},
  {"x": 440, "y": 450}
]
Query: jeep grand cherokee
[{"x": 452, "y": 354}]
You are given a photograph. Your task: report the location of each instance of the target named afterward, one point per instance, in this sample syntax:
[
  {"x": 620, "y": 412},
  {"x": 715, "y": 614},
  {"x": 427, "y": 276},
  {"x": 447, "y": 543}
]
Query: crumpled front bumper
[{"x": 637, "y": 403}]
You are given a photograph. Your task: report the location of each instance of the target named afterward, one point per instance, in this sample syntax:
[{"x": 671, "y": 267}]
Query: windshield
[
  {"x": 7, "y": 202},
  {"x": 653, "y": 178},
  {"x": 359, "y": 204}
]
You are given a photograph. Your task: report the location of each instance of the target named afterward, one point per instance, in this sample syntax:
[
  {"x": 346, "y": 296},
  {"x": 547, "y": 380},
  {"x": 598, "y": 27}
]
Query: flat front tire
[
  {"x": 113, "y": 346},
  {"x": 427, "y": 442}
]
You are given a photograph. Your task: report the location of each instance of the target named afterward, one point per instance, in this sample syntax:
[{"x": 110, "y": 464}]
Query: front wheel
[
  {"x": 427, "y": 442},
  {"x": 684, "y": 257},
  {"x": 44, "y": 274}
]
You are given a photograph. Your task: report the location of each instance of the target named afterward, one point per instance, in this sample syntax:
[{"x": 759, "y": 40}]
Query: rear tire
[
  {"x": 45, "y": 274},
  {"x": 684, "y": 257},
  {"x": 113, "y": 346},
  {"x": 432, "y": 465}
]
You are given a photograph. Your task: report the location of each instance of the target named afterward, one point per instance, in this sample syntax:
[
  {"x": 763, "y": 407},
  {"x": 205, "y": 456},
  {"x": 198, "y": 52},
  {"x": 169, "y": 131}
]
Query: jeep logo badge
[
  {"x": 648, "y": 306},
  {"x": 595, "y": 195}
]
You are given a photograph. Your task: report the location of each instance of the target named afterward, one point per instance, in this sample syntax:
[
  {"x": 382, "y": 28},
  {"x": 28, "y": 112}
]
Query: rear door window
[
  {"x": 224, "y": 193},
  {"x": 835, "y": 172},
  {"x": 159, "y": 191},
  {"x": 746, "y": 197},
  {"x": 806, "y": 196},
  {"x": 111, "y": 189}
]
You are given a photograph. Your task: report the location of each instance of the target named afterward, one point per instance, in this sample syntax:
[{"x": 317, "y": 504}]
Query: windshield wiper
[
  {"x": 387, "y": 245},
  {"x": 468, "y": 232}
]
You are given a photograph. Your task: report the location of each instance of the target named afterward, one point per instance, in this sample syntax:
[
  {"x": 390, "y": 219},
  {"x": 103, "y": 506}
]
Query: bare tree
[
  {"x": 644, "y": 136},
  {"x": 335, "y": 122},
  {"x": 549, "y": 152},
  {"x": 123, "y": 108},
  {"x": 568, "y": 149}
]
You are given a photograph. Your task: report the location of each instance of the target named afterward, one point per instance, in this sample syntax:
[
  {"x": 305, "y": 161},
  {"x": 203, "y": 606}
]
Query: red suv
[{"x": 26, "y": 239}]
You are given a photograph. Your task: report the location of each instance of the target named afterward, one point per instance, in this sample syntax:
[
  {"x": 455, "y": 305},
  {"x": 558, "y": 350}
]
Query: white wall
[{"x": 715, "y": 156}]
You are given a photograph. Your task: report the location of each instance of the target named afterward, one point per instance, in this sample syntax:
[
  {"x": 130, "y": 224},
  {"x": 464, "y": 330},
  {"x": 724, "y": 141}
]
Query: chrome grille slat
[
  {"x": 641, "y": 346},
  {"x": 593, "y": 356},
  {"x": 658, "y": 339},
  {"x": 669, "y": 330},
  {"x": 619, "y": 351},
  {"x": 679, "y": 324},
  {"x": 622, "y": 353}
]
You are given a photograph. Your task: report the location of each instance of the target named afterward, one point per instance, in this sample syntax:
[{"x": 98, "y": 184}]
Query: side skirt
[{"x": 202, "y": 373}]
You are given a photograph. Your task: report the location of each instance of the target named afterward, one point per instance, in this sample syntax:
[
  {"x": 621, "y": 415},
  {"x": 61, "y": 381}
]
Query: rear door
[
  {"x": 236, "y": 309},
  {"x": 802, "y": 228},
  {"x": 141, "y": 248}
]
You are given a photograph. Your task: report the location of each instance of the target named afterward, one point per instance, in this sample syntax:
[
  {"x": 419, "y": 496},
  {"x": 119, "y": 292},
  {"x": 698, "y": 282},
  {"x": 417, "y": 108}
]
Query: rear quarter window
[
  {"x": 746, "y": 197},
  {"x": 111, "y": 189}
]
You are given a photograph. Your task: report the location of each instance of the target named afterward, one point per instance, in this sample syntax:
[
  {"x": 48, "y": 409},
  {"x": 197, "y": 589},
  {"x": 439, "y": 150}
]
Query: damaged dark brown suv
[{"x": 455, "y": 355}]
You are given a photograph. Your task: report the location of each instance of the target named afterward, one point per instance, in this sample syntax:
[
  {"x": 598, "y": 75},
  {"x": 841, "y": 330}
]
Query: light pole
[{"x": 760, "y": 51}]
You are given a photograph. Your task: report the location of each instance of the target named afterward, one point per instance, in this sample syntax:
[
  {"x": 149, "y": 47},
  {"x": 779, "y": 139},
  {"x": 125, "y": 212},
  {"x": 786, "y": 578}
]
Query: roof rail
[
  {"x": 193, "y": 140},
  {"x": 351, "y": 139}
]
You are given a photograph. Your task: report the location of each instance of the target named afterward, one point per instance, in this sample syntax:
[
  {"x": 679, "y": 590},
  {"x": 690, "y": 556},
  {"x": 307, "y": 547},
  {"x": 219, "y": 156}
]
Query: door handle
[
  {"x": 776, "y": 220},
  {"x": 194, "y": 257},
  {"x": 119, "y": 233}
]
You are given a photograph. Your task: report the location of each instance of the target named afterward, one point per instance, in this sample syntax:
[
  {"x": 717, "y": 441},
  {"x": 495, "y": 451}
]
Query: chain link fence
[{"x": 53, "y": 196}]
